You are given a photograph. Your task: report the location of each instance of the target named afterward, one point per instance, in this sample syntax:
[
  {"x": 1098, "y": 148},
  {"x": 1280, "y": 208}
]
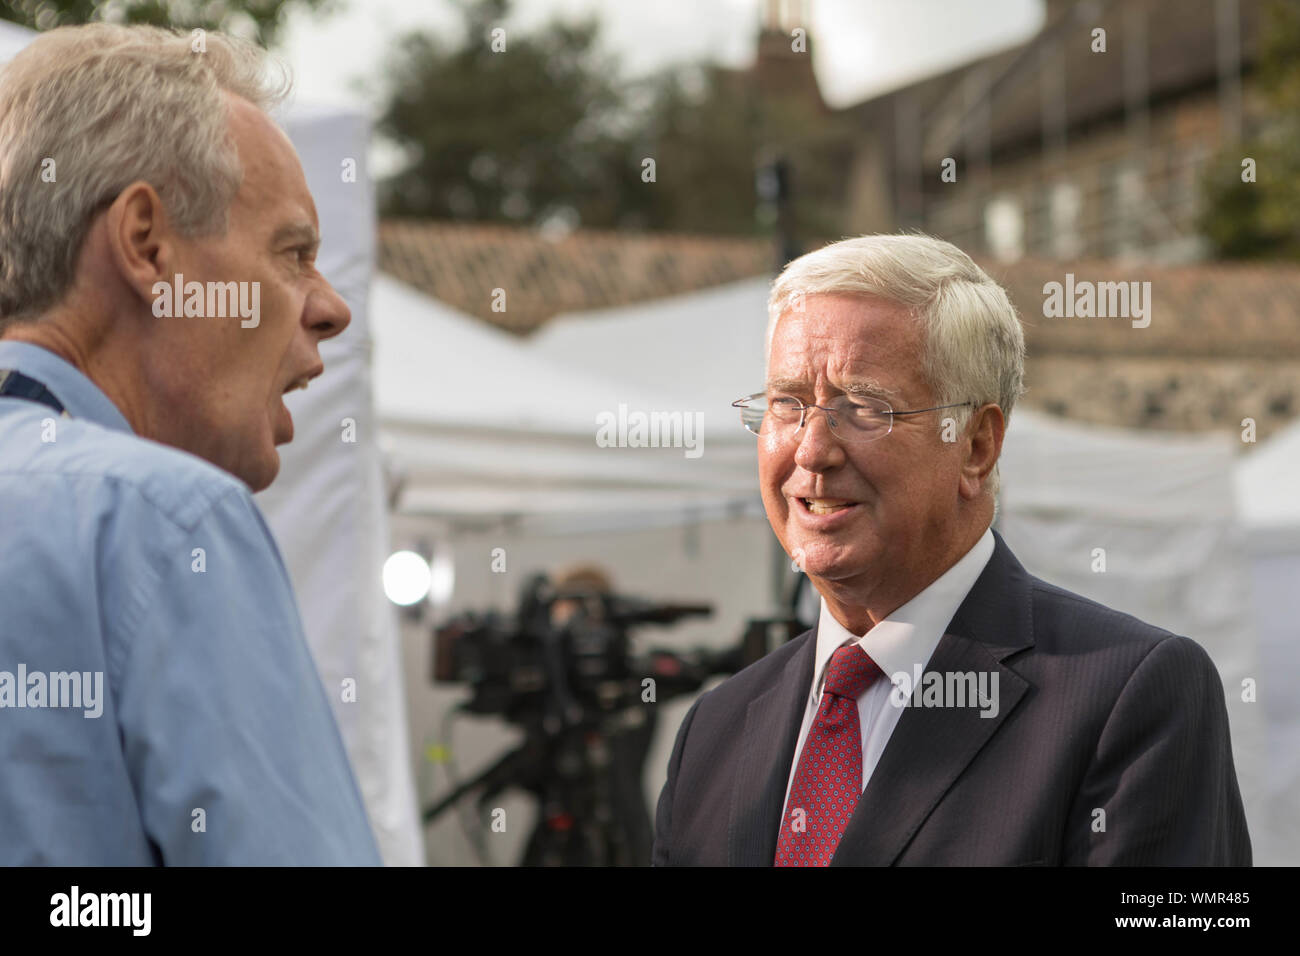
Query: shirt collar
[
  {"x": 79, "y": 395},
  {"x": 906, "y": 639}
]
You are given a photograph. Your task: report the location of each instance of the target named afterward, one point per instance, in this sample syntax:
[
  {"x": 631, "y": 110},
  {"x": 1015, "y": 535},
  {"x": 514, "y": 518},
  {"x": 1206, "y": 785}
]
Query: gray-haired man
[
  {"x": 949, "y": 707},
  {"x": 168, "y": 709}
]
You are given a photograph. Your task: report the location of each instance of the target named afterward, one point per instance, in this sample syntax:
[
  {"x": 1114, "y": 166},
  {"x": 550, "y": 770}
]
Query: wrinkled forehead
[{"x": 846, "y": 337}]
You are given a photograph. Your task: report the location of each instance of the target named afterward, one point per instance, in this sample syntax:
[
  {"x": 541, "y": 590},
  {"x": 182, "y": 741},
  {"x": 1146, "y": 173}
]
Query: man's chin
[
  {"x": 820, "y": 566},
  {"x": 259, "y": 474},
  {"x": 829, "y": 562},
  {"x": 270, "y": 473}
]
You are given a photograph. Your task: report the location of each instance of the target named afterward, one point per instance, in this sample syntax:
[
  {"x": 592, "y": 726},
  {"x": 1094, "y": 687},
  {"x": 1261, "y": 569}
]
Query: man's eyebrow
[
  {"x": 861, "y": 386},
  {"x": 299, "y": 232},
  {"x": 867, "y": 386},
  {"x": 786, "y": 385}
]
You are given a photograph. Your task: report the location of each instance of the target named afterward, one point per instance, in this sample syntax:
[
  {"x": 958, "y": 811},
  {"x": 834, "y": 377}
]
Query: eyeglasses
[{"x": 852, "y": 418}]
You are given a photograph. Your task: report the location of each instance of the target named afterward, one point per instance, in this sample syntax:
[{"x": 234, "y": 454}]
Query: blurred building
[{"x": 1060, "y": 149}]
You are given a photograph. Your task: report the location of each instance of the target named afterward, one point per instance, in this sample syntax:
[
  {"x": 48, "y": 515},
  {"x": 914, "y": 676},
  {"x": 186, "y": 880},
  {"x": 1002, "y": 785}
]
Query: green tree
[
  {"x": 260, "y": 18},
  {"x": 544, "y": 128},
  {"x": 1261, "y": 219},
  {"x": 700, "y": 125},
  {"x": 504, "y": 126}
]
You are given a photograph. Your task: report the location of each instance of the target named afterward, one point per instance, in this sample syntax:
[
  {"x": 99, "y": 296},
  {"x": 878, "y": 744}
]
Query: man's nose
[
  {"x": 818, "y": 449},
  {"x": 326, "y": 313}
]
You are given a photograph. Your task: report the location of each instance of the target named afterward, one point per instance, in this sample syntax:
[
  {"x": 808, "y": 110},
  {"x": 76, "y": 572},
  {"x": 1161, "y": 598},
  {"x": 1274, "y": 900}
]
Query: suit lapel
[
  {"x": 771, "y": 730},
  {"x": 930, "y": 747}
]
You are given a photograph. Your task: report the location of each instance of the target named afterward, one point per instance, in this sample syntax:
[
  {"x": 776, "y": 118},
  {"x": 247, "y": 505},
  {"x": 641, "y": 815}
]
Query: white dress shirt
[{"x": 904, "y": 640}]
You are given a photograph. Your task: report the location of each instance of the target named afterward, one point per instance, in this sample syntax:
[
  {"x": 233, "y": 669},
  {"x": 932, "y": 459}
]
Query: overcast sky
[{"x": 861, "y": 47}]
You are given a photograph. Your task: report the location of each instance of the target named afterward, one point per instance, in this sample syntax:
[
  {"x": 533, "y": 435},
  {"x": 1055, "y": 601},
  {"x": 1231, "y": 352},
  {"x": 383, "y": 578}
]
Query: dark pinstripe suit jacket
[{"x": 1110, "y": 747}]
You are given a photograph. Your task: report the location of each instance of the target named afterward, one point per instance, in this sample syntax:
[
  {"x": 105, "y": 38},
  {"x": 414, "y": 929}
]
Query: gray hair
[
  {"x": 87, "y": 110},
  {"x": 974, "y": 345}
]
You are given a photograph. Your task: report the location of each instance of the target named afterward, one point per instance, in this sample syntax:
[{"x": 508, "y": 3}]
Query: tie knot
[{"x": 850, "y": 671}]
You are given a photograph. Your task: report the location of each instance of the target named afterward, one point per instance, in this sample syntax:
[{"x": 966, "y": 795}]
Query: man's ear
[
  {"x": 985, "y": 435},
  {"x": 141, "y": 240}
]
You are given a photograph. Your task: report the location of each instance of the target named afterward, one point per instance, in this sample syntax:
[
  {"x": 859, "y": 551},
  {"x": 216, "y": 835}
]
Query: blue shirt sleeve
[{"x": 226, "y": 731}]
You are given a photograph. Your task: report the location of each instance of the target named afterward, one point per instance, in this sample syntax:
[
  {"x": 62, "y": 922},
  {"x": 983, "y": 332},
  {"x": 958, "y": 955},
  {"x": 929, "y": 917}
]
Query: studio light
[{"x": 406, "y": 578}]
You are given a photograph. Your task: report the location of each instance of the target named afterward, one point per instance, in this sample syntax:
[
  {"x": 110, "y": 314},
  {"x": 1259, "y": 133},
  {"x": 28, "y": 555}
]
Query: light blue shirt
[{"x": 158, "y": 702}]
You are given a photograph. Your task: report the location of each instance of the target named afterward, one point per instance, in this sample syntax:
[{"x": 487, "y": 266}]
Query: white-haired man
[
  {"x": 1018, "y": 723},
  {"x": 158, "y": 703}
]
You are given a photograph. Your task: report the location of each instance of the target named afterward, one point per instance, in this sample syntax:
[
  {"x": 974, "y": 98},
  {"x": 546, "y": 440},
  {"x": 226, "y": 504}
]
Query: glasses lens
[
  {"x": 859, "y": 418},
  {"x": 851, "y": 418},
  {"x": 778, "y": 413}
]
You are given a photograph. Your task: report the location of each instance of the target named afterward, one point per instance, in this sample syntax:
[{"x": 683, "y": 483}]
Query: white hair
[
  {"x": 973, "y": 343},
  {"x": 87, "y": 110}
]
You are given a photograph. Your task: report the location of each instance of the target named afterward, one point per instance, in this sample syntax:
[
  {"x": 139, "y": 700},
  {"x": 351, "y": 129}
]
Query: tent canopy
[
  {"x": 706, "y": 348},
  {"x": 483, "y": 426},
  {"x": 1266, "y": 485}
]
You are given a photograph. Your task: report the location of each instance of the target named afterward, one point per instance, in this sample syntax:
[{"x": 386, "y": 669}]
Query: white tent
[
  {"x": 1144, "y": 522},
  {"x": 705, "y": 347},
  {"x": 1266, "y": 494},
  {"x": 1266, "y": 484},
  {"x": 476, "y": 425},
  {"x": 327, "y": 507}
]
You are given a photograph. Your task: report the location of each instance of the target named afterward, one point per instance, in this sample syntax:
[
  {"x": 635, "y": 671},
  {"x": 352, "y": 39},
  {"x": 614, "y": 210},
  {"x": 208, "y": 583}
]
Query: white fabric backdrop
[
  {"x": 328, "y": 506},
  {"x": 482, "y": 426},
  {"x": 705, "y": 348},
  {"x": 1268, "y": 501},
  {"x": 1160, "y": 508}
]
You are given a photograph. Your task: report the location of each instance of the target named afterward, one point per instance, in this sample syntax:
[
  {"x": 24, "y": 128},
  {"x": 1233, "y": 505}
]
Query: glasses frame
[{"x": 805, "y": 407}]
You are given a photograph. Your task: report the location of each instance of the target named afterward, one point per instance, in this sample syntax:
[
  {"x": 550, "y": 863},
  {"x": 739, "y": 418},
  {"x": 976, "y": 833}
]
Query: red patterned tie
[{"x": 828, "y": 781}]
